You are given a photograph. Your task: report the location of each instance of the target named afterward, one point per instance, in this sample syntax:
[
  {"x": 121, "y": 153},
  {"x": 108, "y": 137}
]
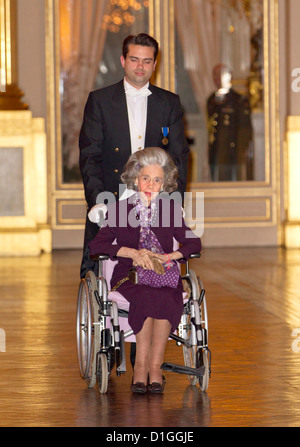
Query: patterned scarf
[{"x": 148, "y": 240}]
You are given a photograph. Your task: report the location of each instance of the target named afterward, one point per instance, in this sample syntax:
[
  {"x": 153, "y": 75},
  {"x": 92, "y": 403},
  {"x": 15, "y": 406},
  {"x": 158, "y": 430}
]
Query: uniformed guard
[{"x": 230, "y": 132}]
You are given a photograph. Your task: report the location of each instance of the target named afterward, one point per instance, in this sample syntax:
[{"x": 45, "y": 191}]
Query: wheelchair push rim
[
  {"x": 196, "y": 353},
  {"x": 88, "y": 336},
  {"x": 84, "y": 329}
]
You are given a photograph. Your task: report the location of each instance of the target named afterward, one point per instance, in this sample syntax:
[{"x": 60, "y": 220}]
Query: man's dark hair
[{"x": 141, "y": 39}]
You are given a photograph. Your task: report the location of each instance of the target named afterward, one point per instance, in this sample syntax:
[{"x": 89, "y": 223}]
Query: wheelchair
[{"x": 102, "y": 329}]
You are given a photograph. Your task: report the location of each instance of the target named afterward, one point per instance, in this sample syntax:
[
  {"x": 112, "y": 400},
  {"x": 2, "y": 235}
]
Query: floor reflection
[
  {"x": 122, "y": 409},
  {"x": 253, "y": 308}
]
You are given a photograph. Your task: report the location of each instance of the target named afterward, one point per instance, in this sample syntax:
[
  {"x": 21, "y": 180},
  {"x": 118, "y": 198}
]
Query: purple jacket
[{"x": 128, "y": 236}]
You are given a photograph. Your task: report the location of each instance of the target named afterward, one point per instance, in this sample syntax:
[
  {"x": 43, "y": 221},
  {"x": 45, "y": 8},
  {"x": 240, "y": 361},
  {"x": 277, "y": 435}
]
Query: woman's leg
[
  {"x": 160, "y": 334},
  {"x": 150, "y": 348},
  {"x": 143, "y": 348}
]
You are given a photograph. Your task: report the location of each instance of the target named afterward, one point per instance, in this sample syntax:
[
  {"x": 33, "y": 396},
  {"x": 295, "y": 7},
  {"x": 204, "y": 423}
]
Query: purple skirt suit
[{"x": 145, "y": 301}]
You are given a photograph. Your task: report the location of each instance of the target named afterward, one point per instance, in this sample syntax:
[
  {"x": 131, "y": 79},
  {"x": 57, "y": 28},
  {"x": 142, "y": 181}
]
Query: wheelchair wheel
[
  {"x": 194, "y": 284},
  {"x": 196, "y": 354},
  {"x": 83, "y": 329},
  {"x": 102, "y": 373},
  {"x": 204, "y": 360},
  {"x": 204, "y": 354},
  {"x": 189, "y": 352},
  {"x": 88, "y": 334}
]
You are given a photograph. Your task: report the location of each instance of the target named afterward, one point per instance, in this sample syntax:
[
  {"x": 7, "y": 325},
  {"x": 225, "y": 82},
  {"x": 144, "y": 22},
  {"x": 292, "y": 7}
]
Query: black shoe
[
  {"x": 155, "y": 387},
  {"x": 139, "y": 387}
]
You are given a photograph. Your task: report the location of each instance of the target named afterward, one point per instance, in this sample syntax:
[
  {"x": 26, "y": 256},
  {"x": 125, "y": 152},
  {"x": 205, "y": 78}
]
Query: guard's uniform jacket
[{"x": 230, "y": 136}]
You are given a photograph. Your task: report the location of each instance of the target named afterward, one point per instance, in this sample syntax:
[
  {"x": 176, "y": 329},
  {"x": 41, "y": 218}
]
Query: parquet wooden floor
[{"x": 254, "y": 321}]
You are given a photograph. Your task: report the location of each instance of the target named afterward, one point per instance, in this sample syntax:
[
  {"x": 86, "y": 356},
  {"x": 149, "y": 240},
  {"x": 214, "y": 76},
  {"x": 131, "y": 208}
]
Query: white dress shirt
[{"x": 137, "y": 101}]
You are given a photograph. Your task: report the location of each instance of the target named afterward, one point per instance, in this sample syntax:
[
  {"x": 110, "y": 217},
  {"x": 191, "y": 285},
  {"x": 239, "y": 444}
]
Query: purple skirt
[{"x": 165, "y": 303}]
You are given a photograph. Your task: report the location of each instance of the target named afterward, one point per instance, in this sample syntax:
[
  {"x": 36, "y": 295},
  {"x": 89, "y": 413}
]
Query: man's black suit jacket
[{"x": 105, "y": 144}]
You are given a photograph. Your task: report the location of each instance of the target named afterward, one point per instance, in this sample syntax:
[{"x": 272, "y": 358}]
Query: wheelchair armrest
[
  {"x": 100, "y": 257},
  {"x": 105, "y": 257},
  {"x": 195, "y": 255}
]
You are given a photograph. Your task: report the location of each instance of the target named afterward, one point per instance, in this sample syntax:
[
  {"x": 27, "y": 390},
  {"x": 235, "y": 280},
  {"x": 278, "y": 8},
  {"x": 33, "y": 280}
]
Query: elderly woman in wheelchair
[{"x": 147, "y": 274}]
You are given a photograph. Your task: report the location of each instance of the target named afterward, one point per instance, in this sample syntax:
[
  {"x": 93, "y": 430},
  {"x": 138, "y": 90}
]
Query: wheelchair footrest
[{"x": 180, "y": 369}]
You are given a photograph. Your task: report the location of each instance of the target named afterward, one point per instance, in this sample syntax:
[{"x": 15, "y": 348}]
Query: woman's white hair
[{"x": 146, "y": 157}]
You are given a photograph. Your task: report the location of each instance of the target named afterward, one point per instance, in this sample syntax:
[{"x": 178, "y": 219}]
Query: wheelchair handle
[{"x": 100, "y": 257}]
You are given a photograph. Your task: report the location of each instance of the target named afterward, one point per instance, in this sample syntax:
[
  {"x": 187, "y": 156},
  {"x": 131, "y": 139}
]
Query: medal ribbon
[{"x": 165, "y": 131}]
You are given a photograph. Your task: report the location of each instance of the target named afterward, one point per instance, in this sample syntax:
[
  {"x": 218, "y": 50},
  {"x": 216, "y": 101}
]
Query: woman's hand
[
  {"x": 162, "y": 258},
  {"x": 139, "y": 257},
  {"x": 142, "y": 258}
]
